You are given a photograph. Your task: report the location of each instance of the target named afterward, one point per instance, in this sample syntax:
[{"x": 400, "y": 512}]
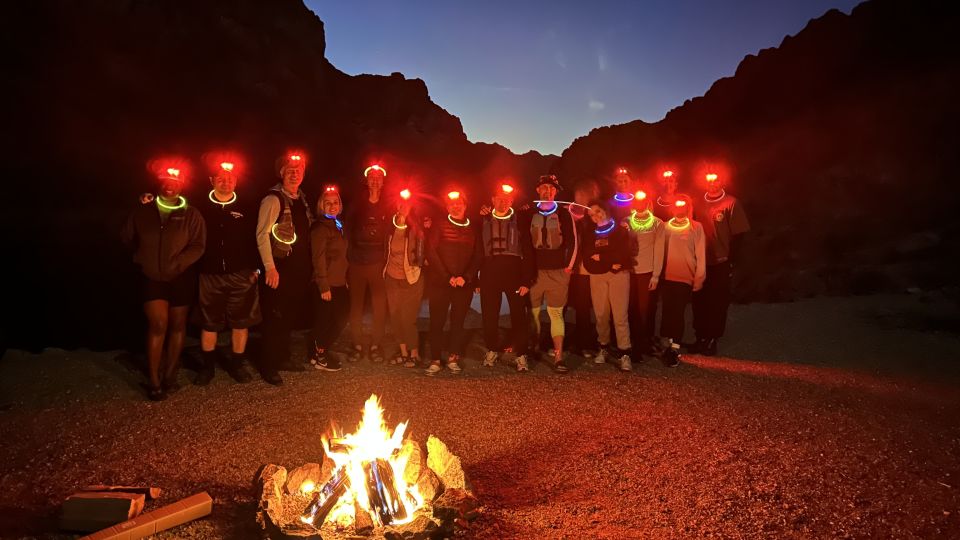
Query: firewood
[
  {"x": 325, "y": 498},
  {"x": 382, "y": 491}
]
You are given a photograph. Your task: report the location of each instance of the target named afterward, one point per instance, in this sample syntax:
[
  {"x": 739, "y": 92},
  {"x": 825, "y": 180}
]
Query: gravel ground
[{"x": 831, "y": 418}]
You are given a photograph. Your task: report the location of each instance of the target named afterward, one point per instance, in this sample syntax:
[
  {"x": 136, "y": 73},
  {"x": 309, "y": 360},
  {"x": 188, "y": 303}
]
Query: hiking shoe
[
  {"x": 272, "y": 377},
  {"x": 239, "y": 373},
  {"x": 602, "y": 357},
  {"x": 522, "y": 363},
  {"x": 434, "y": 368},
  {"x": 490, "y": 359},
  {"x": 625, "y": 363}
]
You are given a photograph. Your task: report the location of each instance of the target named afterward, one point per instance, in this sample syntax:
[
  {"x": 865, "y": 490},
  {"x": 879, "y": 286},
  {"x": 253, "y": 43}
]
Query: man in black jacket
[{"x": 228, "y": 272}]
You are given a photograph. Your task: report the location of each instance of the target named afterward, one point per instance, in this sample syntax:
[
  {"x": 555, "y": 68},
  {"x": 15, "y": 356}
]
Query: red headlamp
[
  {"x": 506, "y": 188},
  {"x": 680, "y": 202},
  {"x": 640, "y": 195},
  {"x": 667, "y": 174},
  {"x": 405, "y": 194},
  {"x": 453, "y": 195},
  {"x": 711, "y": 177},
  {"x": 227, "y": 166},
  {"x": 622, "y": 170}
]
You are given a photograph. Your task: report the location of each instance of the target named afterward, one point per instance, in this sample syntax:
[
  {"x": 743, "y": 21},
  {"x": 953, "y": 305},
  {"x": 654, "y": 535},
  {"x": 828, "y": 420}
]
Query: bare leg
[
  {"x": 208, "y": 341},
  {"x": 156, "y": 312},
  {"x": 177, "y": 328},
  {"x": 239, "y": 339}
]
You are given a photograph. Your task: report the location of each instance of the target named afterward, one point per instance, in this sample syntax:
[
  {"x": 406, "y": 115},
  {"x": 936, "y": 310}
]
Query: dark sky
[{"x": 538, "y": 74}]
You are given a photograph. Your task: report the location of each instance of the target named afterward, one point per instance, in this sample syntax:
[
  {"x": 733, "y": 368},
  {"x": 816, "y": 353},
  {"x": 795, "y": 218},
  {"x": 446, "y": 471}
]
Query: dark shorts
[
  {"x": 228, "y": 301},
  {"x": 180, "y": 291}
]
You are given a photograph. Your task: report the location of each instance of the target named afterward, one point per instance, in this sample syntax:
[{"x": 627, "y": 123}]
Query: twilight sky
[{"x": 538, "y": 74}]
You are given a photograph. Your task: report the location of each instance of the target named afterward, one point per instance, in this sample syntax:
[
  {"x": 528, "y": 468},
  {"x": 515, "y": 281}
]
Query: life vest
[{"x": 545, "y": 230}]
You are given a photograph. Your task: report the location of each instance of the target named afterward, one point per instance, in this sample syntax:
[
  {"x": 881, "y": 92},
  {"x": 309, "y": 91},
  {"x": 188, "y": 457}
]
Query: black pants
[
  {"x": 675, "y": 297},
  {"x": 584, "y": 335},
  {"x": 641, "y": 323},
  {"x": 445, "y": 299},
  {"x": 710, "y": 303},
  {"x": 285, "y": 308},
  {"x": 331, "y": 316},
  {"x": 501, "y": 275}
]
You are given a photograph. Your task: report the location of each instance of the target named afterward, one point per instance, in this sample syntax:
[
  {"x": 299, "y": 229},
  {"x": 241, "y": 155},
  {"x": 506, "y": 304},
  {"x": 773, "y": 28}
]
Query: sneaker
[
  {"x": 522, "y": 363},
  {"x": 560, "y": 366},
  {"x": 434, "y": 368},
  {"x": 490, "y": 359},
  {"x": 588, "y": 354},
  {"x": 625, "y": 363},
  {"x": 454, "y": 367},
  {"x": 327, "y": 362},
  {"x": 601, "y": 357}
]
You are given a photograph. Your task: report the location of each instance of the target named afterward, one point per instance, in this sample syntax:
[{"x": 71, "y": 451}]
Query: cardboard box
[
  {"x": 171, "y": 515},
  {"x": 150, "y": 492}
]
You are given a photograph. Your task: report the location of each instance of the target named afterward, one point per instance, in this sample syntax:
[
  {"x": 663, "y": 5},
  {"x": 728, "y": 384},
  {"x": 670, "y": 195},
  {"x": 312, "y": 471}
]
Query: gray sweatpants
[{"x": 611, "y": 296}]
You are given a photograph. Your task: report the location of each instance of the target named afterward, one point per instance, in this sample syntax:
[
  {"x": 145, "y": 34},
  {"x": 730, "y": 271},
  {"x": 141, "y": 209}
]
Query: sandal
[
  {"x": 411, "y": 362},
  {"x": 398, "y": 360},
  {"x": 355, "y": 354},
  {"x": 375, "y": 355}
]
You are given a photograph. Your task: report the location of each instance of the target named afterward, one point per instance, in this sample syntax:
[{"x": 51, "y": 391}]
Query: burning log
[
  {"x": 382, "y": 492},
  {"x": 325, "y": 498},
  {"x": 362, "y": 523}
]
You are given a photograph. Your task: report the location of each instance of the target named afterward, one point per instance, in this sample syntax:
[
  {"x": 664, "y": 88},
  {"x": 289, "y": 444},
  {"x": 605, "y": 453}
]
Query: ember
[{"x": 370, "y": 479}]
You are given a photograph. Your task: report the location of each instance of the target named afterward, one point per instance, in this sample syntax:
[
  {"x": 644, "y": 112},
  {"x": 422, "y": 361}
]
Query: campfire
[{"x": 373, "y": 481}]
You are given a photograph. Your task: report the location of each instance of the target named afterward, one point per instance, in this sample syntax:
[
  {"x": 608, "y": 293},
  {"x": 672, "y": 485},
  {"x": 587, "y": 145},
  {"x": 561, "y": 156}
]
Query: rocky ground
[{"x": 829, "y": 418}]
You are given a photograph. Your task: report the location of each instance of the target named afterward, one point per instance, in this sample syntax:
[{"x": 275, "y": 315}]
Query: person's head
[
  {"x": 171, "y": 182},
  {"x": 668, "y": 179},
  {"x": 403, "y": 203},
  {"x": 224, "y": 178},
  {"x": 622, "y": 181},
  {"x": 503, "y": 198},
  {"x": 585, "y": 192},
  {"x": 599, "y": 212},
  {"x": 714, "y": 183},
  {"x": 547, "y": 187},
  {"x": 456, "y": 203},
  {"x": 291, "y": 168},
  {"x": 374, "y": 176},
  {"x": 330, "y": 203},
  {"x": 641, "y": 200},
  {"x": 682, "y": 206}
]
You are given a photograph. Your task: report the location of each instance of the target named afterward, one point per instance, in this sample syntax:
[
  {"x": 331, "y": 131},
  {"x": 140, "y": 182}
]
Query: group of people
[{"x": 288, "y": 264}]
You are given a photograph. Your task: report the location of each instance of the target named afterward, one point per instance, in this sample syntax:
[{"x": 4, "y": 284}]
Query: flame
[
  {"x": 372, "y": 440},
  {"x": 307, "y": 487}
]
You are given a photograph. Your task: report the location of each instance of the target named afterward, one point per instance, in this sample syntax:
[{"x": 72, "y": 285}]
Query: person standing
[
  {"x": 684, "y": 271},
  {"x": 453, "y": 256},
  {"x": 724, "y": 224},
  {"x": 606, "y": 256},
  {"x": 404, "y": 283},
  {"x": 646, "y": 240},
  {"x": 167, "y": 237},
  {"x": 584, "y": 339},
  {"x": 555, "y": 244},
  {"x": 329, "y": 251},
  {"x": 620, "y": 203},
  {"x": 228, "y": 272},
  {"x": 366, "y": 245},
  {"x": 283, "y": 241},
  {"x": 507, "y": 269},
  {"x": 663, "y": 208}
]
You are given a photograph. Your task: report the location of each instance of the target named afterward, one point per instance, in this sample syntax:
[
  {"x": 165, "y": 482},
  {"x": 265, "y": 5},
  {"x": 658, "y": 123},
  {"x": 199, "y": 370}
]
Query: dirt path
[{"x": 837, "y": 419}]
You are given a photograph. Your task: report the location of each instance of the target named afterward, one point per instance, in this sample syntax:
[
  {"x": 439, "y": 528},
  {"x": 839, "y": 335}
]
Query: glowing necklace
[
  {"x": 641, "y": 224},
  {"x": 545, "y": 214},
  {"x": 180, "y": 203},
  {"x": 404, "y": 226},
  {"x": 709, "y": 200},
  {"x": 508, "y": 216},
  {"x": 273, "y": 231},
  {"x": 328, "y": 216},
  {"x": 466, "y": 224},
  {"x": 673, "y": 224},
  {"x": 221, "y": 203},
  {"x": 618, "y": 198},
  {"x": 613, "y": 223}
]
